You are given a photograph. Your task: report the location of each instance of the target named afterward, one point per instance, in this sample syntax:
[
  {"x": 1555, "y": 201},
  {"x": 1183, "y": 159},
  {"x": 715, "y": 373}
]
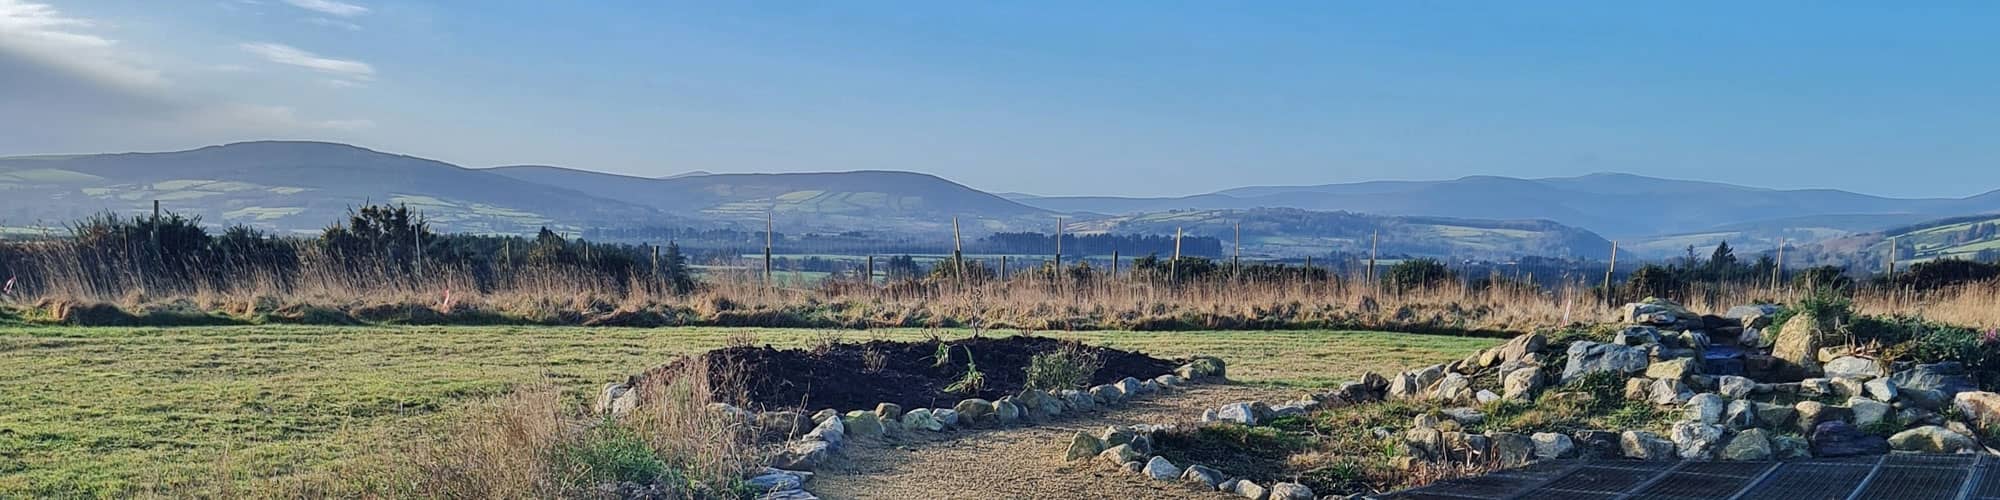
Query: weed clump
[{"x": 1070, "y": 367}]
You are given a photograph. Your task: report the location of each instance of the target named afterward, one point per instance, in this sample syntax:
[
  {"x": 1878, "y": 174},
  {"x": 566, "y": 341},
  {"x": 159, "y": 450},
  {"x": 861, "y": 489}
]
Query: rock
[
  {"x": 1291, "y": 491},
  {"x": 1741, "y": 414},
  {"x": 1428, "y": 376},
  {"x": 1644, "y": 445},
  {"x": 1238, "y": 413},
  {"x": 1464, "y": 416},
  {"x": 1868, "y": 412},
  {"x": 1293, "y": 409},
  {"x": 1749, "y": 445},
  {"x": 1038, "y": 405},
  {"x": 1550, "y": 445},
  {"x": 1734, "y": 387},
  {"x": 1149, "y": 387},
  {"x": 1790, "y": 447},
  {"x": 783, "y": 425},
  {"x": 822, "y": 415},
  {"x": 862, "y": 424},
  {"x": 946, "y": 416},
  {"x": 1461, "y": 447},
  {"x": 1251, "y": 490},
  {"x": 1597, "y": 444},
  {"x": 1202, "y": 475},
  {"x": 1079, "y": 400},
  {"x": 1121, "y": 454},
  {"x": 1696, "y": 440},
  {"x": 1981, "y": 409},
  {"x": 1881, "y": 389},
  {"x": 1813, "y": 413},
  {"x": 1587, "y": 357},
  {"x": 1519, "y": 347},
  {"x": 1106, "y": 395},
  {"x": 1816, "y": 387},
  {"x": 1485, "y": 396},
  {"x": 1374, "y": 382},
  {"x": 1170, "y": 381},
  {"x": 1510, "y": 448},
  {"x": 1846, "y": 387},
  {"x": 1933, "y": 439},
  {"x": 1775, "y": 416},
  {"x": 1424, "y": 443},
  {"x": 1854, "y": 367},
  {"x": 1637, "y": 335},
  {"x": 1404, "y": 386},
  {"x": 830, "y": 430},
  {"x": 1522, "y": 384},
  {"x": 1638, "y": 388},
  {"x": 1677, "y": 369},
  {"x": 1423, "y": 421},
  {"x": 1706, "y": 408},
  {"x": 1083, "y": 446},
  {"x": 1115, "y": 435},
  {"x": 1839, "y": 439},
  {"x": 1911, "y": 415},
  {"x": 889, "y": 411},
  {"x": 1006, "y": 411},
  {"x": 974, "y": 412},
  {"x": 1210, "y": 416},
  {"x": 1933, "y": 386},
  {"x": 1797, "y": 345},
  {"x": 1668, "y": 392},
  {"x": 1452, "y": 388},
  {"x": 1129, "y": 387},
  {"x": 1355, "y": 392},
  {"x": 775, "y": 480},
  {"x": 616, "y": 399},
  {"x": 1202, "y": 368},
  {"x": 1752, "y": 316},
  {"x": 921, "y": 419},
  {"x": 1161, "y": 470},
  {"x": 1133, "y": 467},
  {"x": 1750, "y": 337},
  {"x": 1230, "y": 485},
  {"x": 806, "y": 454}
]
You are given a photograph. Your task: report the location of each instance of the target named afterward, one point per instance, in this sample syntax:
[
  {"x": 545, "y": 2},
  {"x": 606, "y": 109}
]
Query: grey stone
[
  {"x": 1644, "y": 445},
  {"x": 974, "y": 412},
  {"x": 1734, "y": 387},
  {"x": 1522, "y": 384},
  {"x": 1587, "y": 357},
  {"x": 1115, "y": 435},
  {"x": 1550, "y": 445},
  {"x": 1797, "y": 344},
  {"x": 1251, "y": 490},
  {"x": 1742, "y": 414},
  {"x": 1404, "y": 386},
  {"x": 1106, "y": 395},
  {"x": 807, "y": 454},
  {"x": 1170, "y": 381},
  {"x": 1291, "y": 491},
  {"x": 1202, "y": 368},
  {"x": 1933, "y": 439},
  {"x": 1595, "y": 444},
  {"x": 1464, "y": 416},
  {"x": 862, "y": 424},
  {"x": 1459, "y": 446},
  {"x": 1790, "y": 447},
  {"x": 1637, "y": 335},
  {"x": 1162, "y": 470},
  {"x": 1083, "y": 446},
  {"x": 1749, "y": 445},
  {"x": 1814, "y": 413},
  {"x": 1854, "y": 367},
  {"x": 775, "y": 481},
  {"x": 1776, "y": 416},
  {"x": 783, "y": 425},
  {"x": 1428, "y": 376},
  {"x": 1638, "y": 388},
  {"x": 1134, "y": 467},
  {"x": 1202, "y": 475},
  {"x": 1424, "y": 443},
  {"x": 1881, "y": 389},
  {"x": 1839, "y": 439},
  {"x": 1668, "y": 392},
  {"x": 1933, "y": 386},
  {"x": 1752, "y": 316},
  {"x": 1846, "y": 387},
  {"x": 921, "y": 419},
  {"x": 1696, "y": 440},
  {"x": 1239, "y": 413},
  {"x": 1452, "y": 388},
  {"x": 1867, "y": 412},
  {"x": 830, "y": 430},
  {"x": 1129, "y": 387},
  {"x": 1511, "y": 448},
  {"x": 1677, "y": 369},
  {"x": 889, "y": 411},
  {"x": 1121, "y": 454},
  {"x": 1228, "y": 486},
  {"x": 946, "y": 416},
  {"x": 1706, "y": 408},
  {"x": 1816, "y": 387},
  {"x": 1485, "y": 396},
  {"x": 1006, "y": 411},
  {"x": 1981, "y": 409}
]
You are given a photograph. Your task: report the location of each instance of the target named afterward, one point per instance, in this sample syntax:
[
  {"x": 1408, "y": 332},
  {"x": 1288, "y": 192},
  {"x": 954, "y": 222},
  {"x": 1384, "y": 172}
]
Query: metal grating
[
  {"x": 1808, "y": 481},
  {"x": 1682, "y": 485},
  {"x": 1946, "y": 461},
  {"x": 1989, "y": 483},
  {"x": 1915, "y": 483},
  {"x": 1599, "y": 479},
  {"x": 1729, "y": 469},
  {"x": 1489, "y": 486}
]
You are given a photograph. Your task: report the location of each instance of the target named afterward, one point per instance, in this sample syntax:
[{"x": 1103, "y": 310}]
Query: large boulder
[
  {"x": 1404, "y": 386},
  {"x": 1696, "y": 440},
  {"x": 862, "y": 424},
  {"x": 1202, "y": 475},
  {"x": 1203, "y": 368},
  {"x": 1776, "y": 416},
  {"x": 1550, "y": 445},
  {"x": 1813, "y": 413},
  {"x": 1510, "y": 448},
  {"x": 1522, "y": 384},
  {"x": 1240, "y": 413},
  {"x": 1121, "y": 454},
  {"x": 1797, "y": 345},
  {"x": 1291, "y": 491},
  {"x": 1668, "y": 392},
  {"x": 1706, "y": 408},
  {"x": 1868, "y": 412},
  {"x": 1587, "y": 357},
  {"x": 1981, "y": 409},
  {"x": 1933, "y": 439},
  {"x": 1424, "y": 443},
  {"x": 922, "y": 419},
  {"x": 1644, "y": 445},
  {"x": 1882, "y": 389},
  {"x": 1932, "y": 386},
  {"x": 1677, "y": 369},
  {"x": 1106, "y": 395},
  {"x": 1452, "y": 388},
  {"x": 831, "y": 430},
  {"x": 1595, "y": 444},
  {"x": 1854, "y": 367},
  {"x": 1659, "y": 312},
  {"x": 1083, "y": 446},
  {"x": 1734, "y": 387},
  {"x": 1162, "y": 470},
  {"x": 804, "y": 455},
  {"x": 1749, "y": 445},
  {"x": 1637, "y": 336},
  {"x": 1840, "y": 439},
  {"x": 1251, "y": 490},
  {"x": 1741, "y": 414},
  {"x": 1518, "y": 348}
]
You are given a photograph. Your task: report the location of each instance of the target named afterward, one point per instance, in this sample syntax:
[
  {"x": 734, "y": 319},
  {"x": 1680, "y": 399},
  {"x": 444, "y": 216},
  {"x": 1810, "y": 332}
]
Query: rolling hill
[
  {"x": 289, "y": 186},
  {"x": 1622, "y": 206},
  {"x": 1295, "y": 232}
]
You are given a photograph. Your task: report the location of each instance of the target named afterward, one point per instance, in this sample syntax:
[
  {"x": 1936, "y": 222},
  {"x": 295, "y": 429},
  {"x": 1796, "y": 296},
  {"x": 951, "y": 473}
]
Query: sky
[{"x": 1133, "y": 98}]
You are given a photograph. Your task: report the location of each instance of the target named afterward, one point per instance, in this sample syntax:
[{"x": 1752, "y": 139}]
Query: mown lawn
[{"x": 119, "y": 412}]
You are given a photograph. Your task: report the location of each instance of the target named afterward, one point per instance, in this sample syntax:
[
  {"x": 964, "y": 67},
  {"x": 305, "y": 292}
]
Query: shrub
[
  {"x": 1416, "y": 273},
  {"x": 1068, "y": 367},
  {"x": 612, "y": 452},
  {"x": 973, "y": 380}
]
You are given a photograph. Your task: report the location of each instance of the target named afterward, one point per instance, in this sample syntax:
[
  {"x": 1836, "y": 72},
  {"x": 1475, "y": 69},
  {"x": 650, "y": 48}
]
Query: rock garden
[
  {"x": 1758, "y": 383},
  {"x": 808, "y": 406}
]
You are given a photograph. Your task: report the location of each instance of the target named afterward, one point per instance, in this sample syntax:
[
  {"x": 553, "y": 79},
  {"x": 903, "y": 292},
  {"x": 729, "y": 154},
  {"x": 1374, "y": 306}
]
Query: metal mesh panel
[
  {"x": 1600, "y": 479},
  {"x": 1809, "y": 481},
  {"x": 1946, "y": 461},
  {"x": 1915, "y": 483},
  {"x": 1730, "y": 469},
  {"x": 1689, "y": 486},
  {"x": 1483, "y": 486}
]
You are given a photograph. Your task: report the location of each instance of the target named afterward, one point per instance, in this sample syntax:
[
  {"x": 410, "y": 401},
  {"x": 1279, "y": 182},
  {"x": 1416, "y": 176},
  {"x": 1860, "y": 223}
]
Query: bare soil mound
[{"x": 853, "y": 376}]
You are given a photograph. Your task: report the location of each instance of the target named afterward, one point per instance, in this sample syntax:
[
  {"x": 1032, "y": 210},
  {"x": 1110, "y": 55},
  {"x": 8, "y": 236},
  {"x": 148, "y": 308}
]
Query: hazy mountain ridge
[{"x": 1290, "y": 232}]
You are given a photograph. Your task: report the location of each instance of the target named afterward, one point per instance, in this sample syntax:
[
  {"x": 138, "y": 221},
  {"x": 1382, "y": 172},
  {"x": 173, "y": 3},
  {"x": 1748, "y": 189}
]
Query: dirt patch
[{"x": 852, "y": 376}]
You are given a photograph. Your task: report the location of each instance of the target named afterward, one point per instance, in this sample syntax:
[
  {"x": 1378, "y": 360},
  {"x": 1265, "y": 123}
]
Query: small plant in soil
[
  {"x": 873, "y": 360},
  {"x": 973, "y": 380},
  {"x": 1070, "y": 367}
]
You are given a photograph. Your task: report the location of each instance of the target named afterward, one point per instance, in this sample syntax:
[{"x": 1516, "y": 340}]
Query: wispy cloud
[
  {"x": 40, "y": 32},
  {"x": 334, "y": 23},
  {"x": 330, "y": 7},
  {"x": 289, "y": 55}
]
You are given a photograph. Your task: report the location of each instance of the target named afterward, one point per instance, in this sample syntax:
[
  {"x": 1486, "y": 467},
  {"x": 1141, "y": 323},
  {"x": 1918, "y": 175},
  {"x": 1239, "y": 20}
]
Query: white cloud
[
  {"x": 39, "y": 32},
  {"x": 289, "y": 55},
  {"x": 330, "y": 7},
  {"x": 239, "y": 117},
  {"x": 334, "y": 23}
]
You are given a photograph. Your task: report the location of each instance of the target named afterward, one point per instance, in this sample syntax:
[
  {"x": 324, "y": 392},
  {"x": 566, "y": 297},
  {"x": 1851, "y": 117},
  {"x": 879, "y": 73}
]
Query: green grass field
[{"x": 119, "y": 412}]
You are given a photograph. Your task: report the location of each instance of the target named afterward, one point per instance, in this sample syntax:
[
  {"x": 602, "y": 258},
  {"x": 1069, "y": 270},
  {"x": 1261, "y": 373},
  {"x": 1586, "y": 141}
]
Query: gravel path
[{"x": 1024, "y": 462}]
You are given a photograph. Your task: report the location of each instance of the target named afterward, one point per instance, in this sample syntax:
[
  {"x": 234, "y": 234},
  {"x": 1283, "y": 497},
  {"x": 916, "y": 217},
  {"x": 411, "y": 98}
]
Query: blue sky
[{"x": 1122, "y": 98}]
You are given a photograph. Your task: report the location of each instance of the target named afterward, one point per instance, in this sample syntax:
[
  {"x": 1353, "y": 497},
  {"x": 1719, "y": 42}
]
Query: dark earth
[{"x": 839, "y": 377}]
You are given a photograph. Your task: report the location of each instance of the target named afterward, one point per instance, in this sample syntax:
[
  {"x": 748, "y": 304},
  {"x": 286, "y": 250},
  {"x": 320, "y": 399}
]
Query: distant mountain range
[{"x": 303, "y": 186}]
